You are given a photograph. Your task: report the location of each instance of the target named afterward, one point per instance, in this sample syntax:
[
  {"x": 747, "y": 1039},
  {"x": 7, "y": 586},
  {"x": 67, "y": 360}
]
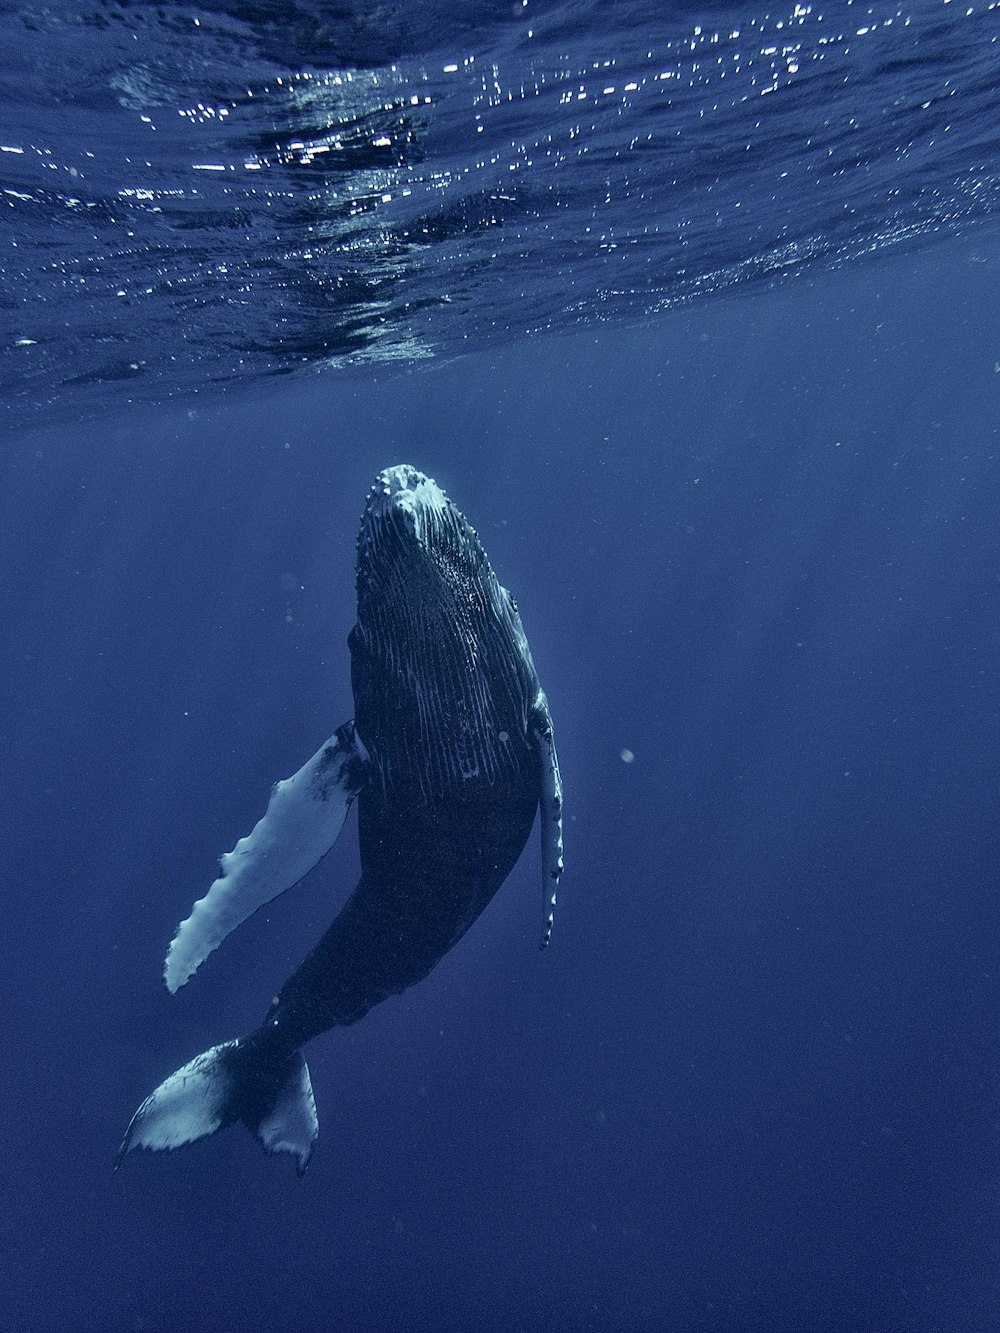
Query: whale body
[{"x": 450, "y": 756}]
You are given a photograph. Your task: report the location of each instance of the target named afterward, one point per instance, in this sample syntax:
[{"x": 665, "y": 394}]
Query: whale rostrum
[{"x": 450, "y": 756}]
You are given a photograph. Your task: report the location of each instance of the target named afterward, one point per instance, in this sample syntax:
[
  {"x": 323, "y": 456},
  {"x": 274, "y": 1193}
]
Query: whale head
[
  {"x": 443, "y": 678},
  {"x": 412, "y": 534}
]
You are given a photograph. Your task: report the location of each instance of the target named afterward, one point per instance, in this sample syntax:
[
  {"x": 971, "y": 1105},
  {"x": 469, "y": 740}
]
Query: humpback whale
[{"x": 450, "y": 755}]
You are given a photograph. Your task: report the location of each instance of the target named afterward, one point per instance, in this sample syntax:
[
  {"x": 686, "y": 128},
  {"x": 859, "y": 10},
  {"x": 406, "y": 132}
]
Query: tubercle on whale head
[
  {"x": 410, "y": 529},
  {"x": 404, "y": 489}
]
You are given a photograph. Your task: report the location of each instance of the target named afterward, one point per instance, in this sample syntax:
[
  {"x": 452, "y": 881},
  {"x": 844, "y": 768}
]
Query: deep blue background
[{"x": 754, "y": 1083}]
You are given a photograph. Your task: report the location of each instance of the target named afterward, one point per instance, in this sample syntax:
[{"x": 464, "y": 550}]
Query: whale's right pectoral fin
[
  {"x": 304, "y": 816},
  {"x": 550, "y": 804}
]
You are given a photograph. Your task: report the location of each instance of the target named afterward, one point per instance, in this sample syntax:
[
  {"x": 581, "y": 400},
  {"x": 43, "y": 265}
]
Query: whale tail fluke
[{"x": 222, "y": 1085}]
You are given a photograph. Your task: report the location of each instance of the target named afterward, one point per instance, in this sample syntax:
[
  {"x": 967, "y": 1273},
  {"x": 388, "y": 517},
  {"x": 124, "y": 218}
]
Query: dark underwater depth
[{"x": 754, "y": 1081}]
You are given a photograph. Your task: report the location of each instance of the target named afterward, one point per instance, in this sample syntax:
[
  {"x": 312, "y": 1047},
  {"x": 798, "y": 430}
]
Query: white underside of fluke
[
  {"x": 291, "y": 1123},
  {"x": 215, "y": 1089},
  {"x": 187, "y": 1106},
  {"x": 305, "y": 814}
]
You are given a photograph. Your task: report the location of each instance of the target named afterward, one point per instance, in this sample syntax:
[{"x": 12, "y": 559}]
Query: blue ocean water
[
  {"x": 201, "y": 196},
  {"x": 749, "y": 513}
]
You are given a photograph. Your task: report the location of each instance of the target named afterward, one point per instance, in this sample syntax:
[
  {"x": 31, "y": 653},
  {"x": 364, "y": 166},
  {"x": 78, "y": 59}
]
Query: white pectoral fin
[
  {"x": 304, "y": 816},
  {"x": 550, "y": 806}
]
